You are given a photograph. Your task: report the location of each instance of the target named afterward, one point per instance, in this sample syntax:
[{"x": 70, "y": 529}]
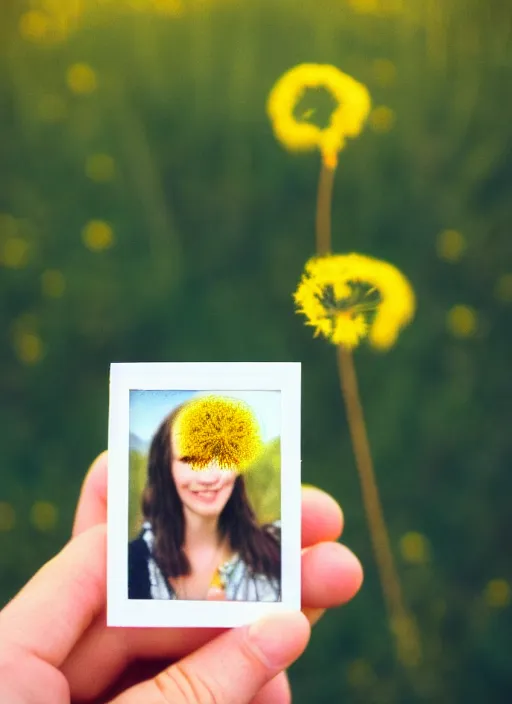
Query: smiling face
[{"x": 204, "y": 492}]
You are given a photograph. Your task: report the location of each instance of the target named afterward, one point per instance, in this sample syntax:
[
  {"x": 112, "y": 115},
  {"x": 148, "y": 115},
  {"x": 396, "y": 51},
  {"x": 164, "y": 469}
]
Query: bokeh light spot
[
  {"x": 100, "y": 168},
  {"x": 359, "y": 673},
  {"x": 382, "y": 119},
  {"x": 44, "y": 516},
  {"x": 503, "y": 288},
  {"x": 14, "y": 253},
  {"x": 451, "y": 245},
  {"x": 53, "y": 283},
  {"x": 81, "y": 79},
  {"x": 28, "y": 346},
  {"x": 462, "y": 321},
  {"x": 497, "y": 593},
  {"x": 415, "y": 548},
  {"x": 98, "y": 235},
  {"x": 7, "y": 517},
  {"x": 34, "y": 25}
]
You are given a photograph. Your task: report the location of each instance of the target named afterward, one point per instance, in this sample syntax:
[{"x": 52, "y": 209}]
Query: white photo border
[{"x": 201, "y": 376}]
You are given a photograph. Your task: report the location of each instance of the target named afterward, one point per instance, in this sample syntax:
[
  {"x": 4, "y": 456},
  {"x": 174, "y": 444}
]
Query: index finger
[{"x": 55, "y": 608}]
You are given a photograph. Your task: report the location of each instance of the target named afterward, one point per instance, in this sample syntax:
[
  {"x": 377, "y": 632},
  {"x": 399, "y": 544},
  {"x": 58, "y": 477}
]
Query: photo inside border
[{"x": 173, "y": 500}]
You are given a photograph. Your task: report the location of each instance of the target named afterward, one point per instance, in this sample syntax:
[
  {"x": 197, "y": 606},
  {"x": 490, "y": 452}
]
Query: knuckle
[{"x": 178, "y": 685}]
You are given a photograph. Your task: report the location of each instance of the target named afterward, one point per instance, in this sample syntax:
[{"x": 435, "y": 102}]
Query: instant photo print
[{"x": 204, "y": 493}]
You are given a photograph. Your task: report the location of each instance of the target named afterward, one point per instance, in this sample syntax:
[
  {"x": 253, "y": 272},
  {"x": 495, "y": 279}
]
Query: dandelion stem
[
  {"x": 402, "y": 623},
  {"x": 323, "y": 210}
]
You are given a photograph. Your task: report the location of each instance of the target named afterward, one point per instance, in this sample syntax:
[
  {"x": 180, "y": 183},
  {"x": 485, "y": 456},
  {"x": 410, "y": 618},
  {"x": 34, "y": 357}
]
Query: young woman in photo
[{"x": 200, "y": 538}]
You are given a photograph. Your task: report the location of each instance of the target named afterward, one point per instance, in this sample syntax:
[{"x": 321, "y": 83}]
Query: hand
[{"x": 55, "y": 646}]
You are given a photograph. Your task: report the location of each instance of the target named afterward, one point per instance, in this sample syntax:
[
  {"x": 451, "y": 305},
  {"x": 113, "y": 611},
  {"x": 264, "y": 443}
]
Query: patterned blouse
[{"x": 146, "y": 581}]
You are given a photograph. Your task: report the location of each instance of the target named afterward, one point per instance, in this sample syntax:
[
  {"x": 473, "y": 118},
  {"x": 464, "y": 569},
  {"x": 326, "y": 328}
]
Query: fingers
[
  {"x": 331, "y": 575},
  {"x": 231, "y": 669},
  {"x": 277, "y": 691},
  {"x": 92, "y": 504},
  {"x": 53, "y": 610},
  {"x": 322, "y": 518}
]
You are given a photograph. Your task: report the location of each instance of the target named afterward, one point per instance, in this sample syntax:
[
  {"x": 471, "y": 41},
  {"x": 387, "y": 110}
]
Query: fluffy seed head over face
[{"x": 217, "y": 429}]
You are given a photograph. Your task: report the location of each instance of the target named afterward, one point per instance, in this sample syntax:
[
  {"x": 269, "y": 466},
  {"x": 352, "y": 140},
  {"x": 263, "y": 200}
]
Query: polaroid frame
[{"x": 229, "y": 376}]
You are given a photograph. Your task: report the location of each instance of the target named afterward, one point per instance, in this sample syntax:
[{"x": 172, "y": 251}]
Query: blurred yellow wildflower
[
  {"x": 216, "y": 429},
  {"x": 498, "y": 594},
  {"x": 100, "y": 167},
  {"x": 81, "y": 79},
  {"x": 7, "y": 517},
  {"x": 503, "y": 288},
  {"x": 451, "y": 245},
  {"x": 349, "y": 297},
  {"x": 382, "y": 119},
  {"x": 50, "y": 21},
  {"x": 14, "y": 253},
  {"x": 415, "y": 548},
  {"x": 53, "y": 283},
  {"x": 34, "y": 25},
  {"x": 377, "y": 7},
  {"x": 98, "y": 235},
  {"x": 461, "y": 321},
  {"x": 51, "y": 108},
  {"x": 360, "y": 674},
  {"x": 28, "y": 346},
  {"x": 43, "y": 516},
  {"x": 347, "y": 120}
]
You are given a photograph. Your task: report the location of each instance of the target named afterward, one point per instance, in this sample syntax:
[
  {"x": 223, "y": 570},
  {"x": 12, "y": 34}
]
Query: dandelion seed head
[
  {"x": 352, "y": 105},
  {"x": 217, "y": 429},
  {"x": 350, "y": 297}
]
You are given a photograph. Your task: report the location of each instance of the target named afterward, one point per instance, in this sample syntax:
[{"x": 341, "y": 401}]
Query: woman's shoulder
[{"x": 138, "y": 576}]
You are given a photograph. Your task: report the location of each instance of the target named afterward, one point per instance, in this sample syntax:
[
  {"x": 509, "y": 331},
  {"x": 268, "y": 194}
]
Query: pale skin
[
  {"x": 203, "y": 494},
  {"x": 55, "y": 647}
]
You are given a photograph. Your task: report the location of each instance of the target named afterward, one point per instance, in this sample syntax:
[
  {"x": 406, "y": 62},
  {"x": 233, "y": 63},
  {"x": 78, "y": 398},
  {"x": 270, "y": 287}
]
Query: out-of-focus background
[{"x": 147, "y": 213}]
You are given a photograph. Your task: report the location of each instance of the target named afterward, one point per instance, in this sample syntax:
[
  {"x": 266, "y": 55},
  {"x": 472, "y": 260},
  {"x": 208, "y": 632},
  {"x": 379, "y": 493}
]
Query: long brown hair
[{"x": 258, "y": 546}]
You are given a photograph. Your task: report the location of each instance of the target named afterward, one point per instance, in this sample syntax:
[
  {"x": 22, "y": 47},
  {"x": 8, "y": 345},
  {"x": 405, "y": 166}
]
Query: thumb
[{"x": 230, "y": 669}]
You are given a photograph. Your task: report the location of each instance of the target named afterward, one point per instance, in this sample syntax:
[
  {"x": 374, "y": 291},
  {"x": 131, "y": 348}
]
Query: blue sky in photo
[{"x": 149, "y": 408}]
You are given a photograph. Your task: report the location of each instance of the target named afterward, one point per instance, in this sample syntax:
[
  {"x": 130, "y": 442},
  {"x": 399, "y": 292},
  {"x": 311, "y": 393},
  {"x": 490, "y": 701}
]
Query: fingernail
[{"x": 279, "y": 639}]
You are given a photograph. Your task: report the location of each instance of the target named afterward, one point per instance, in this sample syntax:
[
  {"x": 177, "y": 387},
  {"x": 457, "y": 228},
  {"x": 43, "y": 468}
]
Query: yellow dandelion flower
[
  {"x": 81, "y": 79},
  {"x": 100, "y": 168},
  {"x": 451, "y": 245},
  {"x": 97, "y": 235},
  {"x": 34, "y": 25},
  {"x": 415, "y": 548},
  {"x": 44, "y": 516},
  {"x": 217, "y": 429},
  {"x": 462, "y": 321},
  {"x": 349, "y": 297},
  {"x": 28, "y": 346},
  {"x": 382, "y": 119},
  {"x": 14, "y": 253},
  {"x": 353, "y": 105},
  {"x": 498, "y": 594}
]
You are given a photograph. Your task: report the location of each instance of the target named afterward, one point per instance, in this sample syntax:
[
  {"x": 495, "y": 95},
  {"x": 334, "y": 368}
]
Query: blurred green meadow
[{"x": 148, "y": 214}]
